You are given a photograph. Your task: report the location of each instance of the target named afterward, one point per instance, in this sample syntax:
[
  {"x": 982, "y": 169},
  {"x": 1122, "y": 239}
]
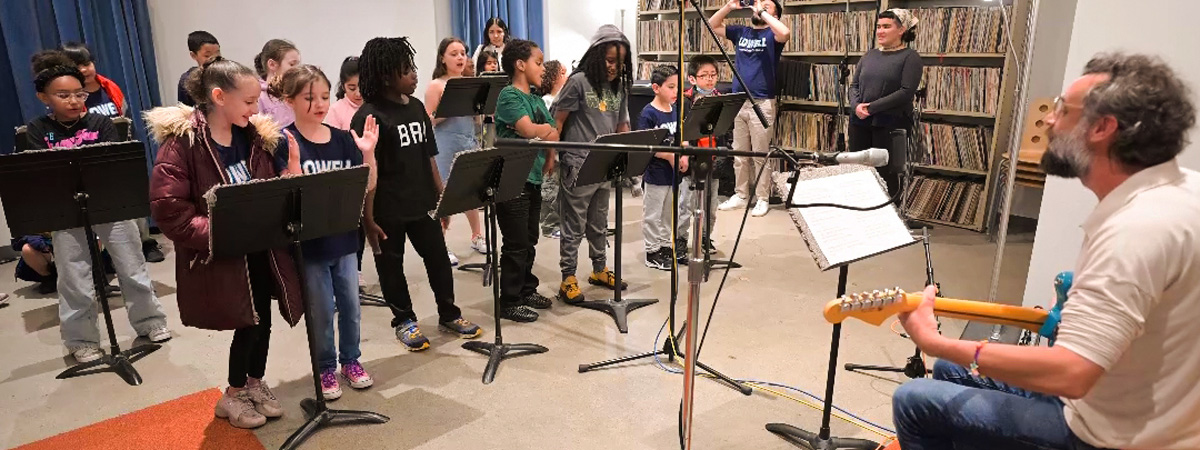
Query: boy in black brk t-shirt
[{"x": 407, "y": 190}]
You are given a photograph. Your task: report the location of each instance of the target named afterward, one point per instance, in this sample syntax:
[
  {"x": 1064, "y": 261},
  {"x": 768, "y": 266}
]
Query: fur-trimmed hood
[{"x": 187, "y": 122}]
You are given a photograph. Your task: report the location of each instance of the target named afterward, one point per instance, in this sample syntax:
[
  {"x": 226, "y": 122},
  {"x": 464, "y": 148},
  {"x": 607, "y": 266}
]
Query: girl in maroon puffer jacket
[{"x": 223, "y": 142}]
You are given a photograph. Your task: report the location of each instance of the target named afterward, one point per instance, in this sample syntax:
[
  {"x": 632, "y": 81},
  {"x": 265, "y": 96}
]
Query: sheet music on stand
[{"x": 838, "y": 236}]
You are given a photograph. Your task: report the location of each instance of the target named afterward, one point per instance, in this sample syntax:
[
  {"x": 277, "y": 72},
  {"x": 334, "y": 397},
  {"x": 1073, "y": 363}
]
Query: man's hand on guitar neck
[
  {"x": 1048, "y": 370},
  {"x": 920, "y": 323}
]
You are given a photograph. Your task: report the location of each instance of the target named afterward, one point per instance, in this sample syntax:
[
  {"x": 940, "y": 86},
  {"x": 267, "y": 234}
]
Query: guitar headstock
[{"x": 873, "y": 307}]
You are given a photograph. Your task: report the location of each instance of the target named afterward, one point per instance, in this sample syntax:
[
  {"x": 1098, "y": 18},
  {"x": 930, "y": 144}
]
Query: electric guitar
[{"x": 877, "y": 306}]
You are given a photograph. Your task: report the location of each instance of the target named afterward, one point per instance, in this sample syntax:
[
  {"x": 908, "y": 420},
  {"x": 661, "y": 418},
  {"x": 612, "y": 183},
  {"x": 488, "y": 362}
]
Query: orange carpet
[{"x": 184, "y": 423}]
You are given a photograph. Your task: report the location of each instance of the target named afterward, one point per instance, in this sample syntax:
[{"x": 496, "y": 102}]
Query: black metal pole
[{"x": 823, "y": 440}]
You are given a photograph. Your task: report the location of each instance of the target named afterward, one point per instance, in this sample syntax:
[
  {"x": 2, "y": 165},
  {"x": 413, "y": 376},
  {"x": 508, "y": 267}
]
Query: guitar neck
[{"x": 1017, "y": 316}]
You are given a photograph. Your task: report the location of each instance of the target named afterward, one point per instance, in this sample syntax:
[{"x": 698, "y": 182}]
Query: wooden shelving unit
[{"x": 1000, "y": 121}]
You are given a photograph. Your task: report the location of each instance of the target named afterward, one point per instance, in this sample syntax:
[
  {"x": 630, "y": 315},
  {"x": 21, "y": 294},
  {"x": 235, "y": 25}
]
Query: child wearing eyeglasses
[{"x": 59, "y": 85}]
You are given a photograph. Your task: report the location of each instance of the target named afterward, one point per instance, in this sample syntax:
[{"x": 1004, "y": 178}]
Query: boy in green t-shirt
[{"x": 523, "y": 115}]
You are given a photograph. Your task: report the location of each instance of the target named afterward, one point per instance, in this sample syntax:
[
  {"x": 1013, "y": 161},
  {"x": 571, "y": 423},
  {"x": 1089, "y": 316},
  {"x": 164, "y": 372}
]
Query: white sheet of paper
[{"x": 845, "y": 235}]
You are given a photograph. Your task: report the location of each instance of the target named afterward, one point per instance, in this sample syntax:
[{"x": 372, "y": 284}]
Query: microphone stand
[
  {"x": 915, "y": 368},
  {"x": 841, "y": 120}
]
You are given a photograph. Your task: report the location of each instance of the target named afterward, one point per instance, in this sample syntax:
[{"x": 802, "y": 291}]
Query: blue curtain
[
  {"x": 116, "y": 31},
  {"x": 525, "y": 19}
]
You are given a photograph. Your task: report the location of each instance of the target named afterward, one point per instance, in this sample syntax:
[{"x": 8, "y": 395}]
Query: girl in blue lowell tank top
[
  {"x": 455, "y": 134},
  {"x": 331, "y": 262}
]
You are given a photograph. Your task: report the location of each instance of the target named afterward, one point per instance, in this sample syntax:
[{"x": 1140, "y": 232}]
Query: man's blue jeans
[
  {"x": 957, "y": 410},
  {"x": 333, "y": 285}
]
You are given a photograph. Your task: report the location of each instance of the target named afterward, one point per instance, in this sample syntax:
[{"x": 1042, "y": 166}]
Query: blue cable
[{"x": 663, "y": 367}]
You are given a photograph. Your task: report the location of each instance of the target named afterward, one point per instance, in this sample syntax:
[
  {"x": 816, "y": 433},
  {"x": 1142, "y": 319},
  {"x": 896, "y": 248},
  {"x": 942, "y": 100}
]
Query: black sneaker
[
  {"x": 519, "y": 313},
  {"x": 153, "y": 252},
  {"x": 537, "y": 301},
  {"x": 48, "y": 287},
  {"x": 659, "y": 259}
]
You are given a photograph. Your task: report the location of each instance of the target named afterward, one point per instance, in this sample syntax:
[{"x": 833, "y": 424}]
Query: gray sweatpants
[
  {"x": 549, "y": 213},
  {"x": 77, "y": 306},
  {"x": 584, "y": 212},
  {"x": 656, "y": 215}
]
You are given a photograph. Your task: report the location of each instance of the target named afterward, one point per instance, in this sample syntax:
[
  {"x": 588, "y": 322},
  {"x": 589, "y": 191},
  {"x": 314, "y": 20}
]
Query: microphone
[{"x": 873, "y": 157}]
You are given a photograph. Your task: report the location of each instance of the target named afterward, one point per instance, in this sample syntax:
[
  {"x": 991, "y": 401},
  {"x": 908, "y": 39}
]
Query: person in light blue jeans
[
  {"x": 330, "y": 268},
  {"x": 77, "y": 306}
]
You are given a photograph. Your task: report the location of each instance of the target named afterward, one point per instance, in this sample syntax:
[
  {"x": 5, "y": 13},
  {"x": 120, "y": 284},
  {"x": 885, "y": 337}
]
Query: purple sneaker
[
  {"x": 358, "y": 377},
  {"x": 329, "y": 385}
]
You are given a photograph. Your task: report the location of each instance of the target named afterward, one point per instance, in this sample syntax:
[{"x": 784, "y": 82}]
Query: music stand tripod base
[
  {"x": 368, "y": 299},
  {"x": 120, "y": 363},
  {"x": 617, "y": 308}
]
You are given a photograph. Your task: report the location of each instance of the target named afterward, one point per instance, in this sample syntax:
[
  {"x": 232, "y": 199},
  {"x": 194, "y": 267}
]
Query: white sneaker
[
  {"x": 734, "y": 202},
  {"x": 453, "y": 259},
  {"x": 480, "y": 245},
  {"x": 159, "y": 335},
  {"x": 760, "y": 208},
  {"x": 3, "y": 299},
  {"x": 87, "y": 354}
]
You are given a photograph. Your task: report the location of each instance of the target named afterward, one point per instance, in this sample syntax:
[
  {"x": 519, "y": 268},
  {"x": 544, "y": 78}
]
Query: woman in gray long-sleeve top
[{"x": 883, "y": 89}]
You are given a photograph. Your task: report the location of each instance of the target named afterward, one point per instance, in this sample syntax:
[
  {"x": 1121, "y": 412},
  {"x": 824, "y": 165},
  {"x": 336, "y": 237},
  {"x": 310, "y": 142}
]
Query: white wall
[
  {"x": 324, "y": 32},
  {"x": 1158, "y": 27},
  {"x": 570, "y": 25}
]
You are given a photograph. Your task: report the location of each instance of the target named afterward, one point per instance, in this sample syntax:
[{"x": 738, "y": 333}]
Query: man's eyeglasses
[
  {"x": 64, "y": 96},
  {"x": 1060, "y": 106}
]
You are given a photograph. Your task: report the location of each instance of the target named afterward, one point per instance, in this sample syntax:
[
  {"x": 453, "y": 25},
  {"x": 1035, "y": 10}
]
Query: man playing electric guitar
[{"x": 1124, "y": 371}]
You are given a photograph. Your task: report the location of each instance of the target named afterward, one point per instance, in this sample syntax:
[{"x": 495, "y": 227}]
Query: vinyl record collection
[
  {"x": 663, "y": 36},
  {"x": 710, "y": 47},
  {"x": 960, "y": 30},
  {"x": 966, "y": 89},
  {"x": 944, "y": 200},
  {"x": 824, "y": 82},
  {"x": 826, "y": 32},
  {"x": 658, "y": 5},
  {"x": 805, "y": 131},
  {"x": 961, "y": 147}
]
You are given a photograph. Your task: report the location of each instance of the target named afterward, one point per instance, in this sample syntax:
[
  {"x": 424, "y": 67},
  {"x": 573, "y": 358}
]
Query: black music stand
[
  {"x": 710, "y": 117},
  {"x": 255, "y": 217},
  {"x": 601, "y": 167},
  {"x": 100, "y": 183},
  {"x": 472, "y": 97},
  {"x": 915, "y": 367},
  {"x": 883, "y": 231},
  {"x": 483, "y": 178}
]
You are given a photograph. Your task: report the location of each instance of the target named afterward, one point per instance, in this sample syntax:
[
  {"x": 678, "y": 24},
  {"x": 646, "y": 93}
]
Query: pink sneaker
[
  {"x": 358, "y": 377},
  {"x": 329, "y": 385}
]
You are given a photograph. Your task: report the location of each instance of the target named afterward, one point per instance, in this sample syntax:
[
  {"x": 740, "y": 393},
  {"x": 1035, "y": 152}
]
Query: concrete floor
[{"x": 767, "y": 327}]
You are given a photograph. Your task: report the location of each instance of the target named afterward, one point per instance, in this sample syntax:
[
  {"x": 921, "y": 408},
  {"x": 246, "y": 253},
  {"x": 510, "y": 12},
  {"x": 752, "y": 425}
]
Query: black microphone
[{"x": 873, "y": 157}]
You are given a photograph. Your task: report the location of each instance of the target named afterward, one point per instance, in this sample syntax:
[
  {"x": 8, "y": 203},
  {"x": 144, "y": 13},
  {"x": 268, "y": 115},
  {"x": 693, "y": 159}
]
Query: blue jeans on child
[
  {"x": 333, "y": 287},
  {"x": 958, "y": 410}
]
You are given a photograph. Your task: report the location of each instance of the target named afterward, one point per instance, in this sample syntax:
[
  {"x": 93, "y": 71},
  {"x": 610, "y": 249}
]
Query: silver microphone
[{"x": 873, "y": 157}]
